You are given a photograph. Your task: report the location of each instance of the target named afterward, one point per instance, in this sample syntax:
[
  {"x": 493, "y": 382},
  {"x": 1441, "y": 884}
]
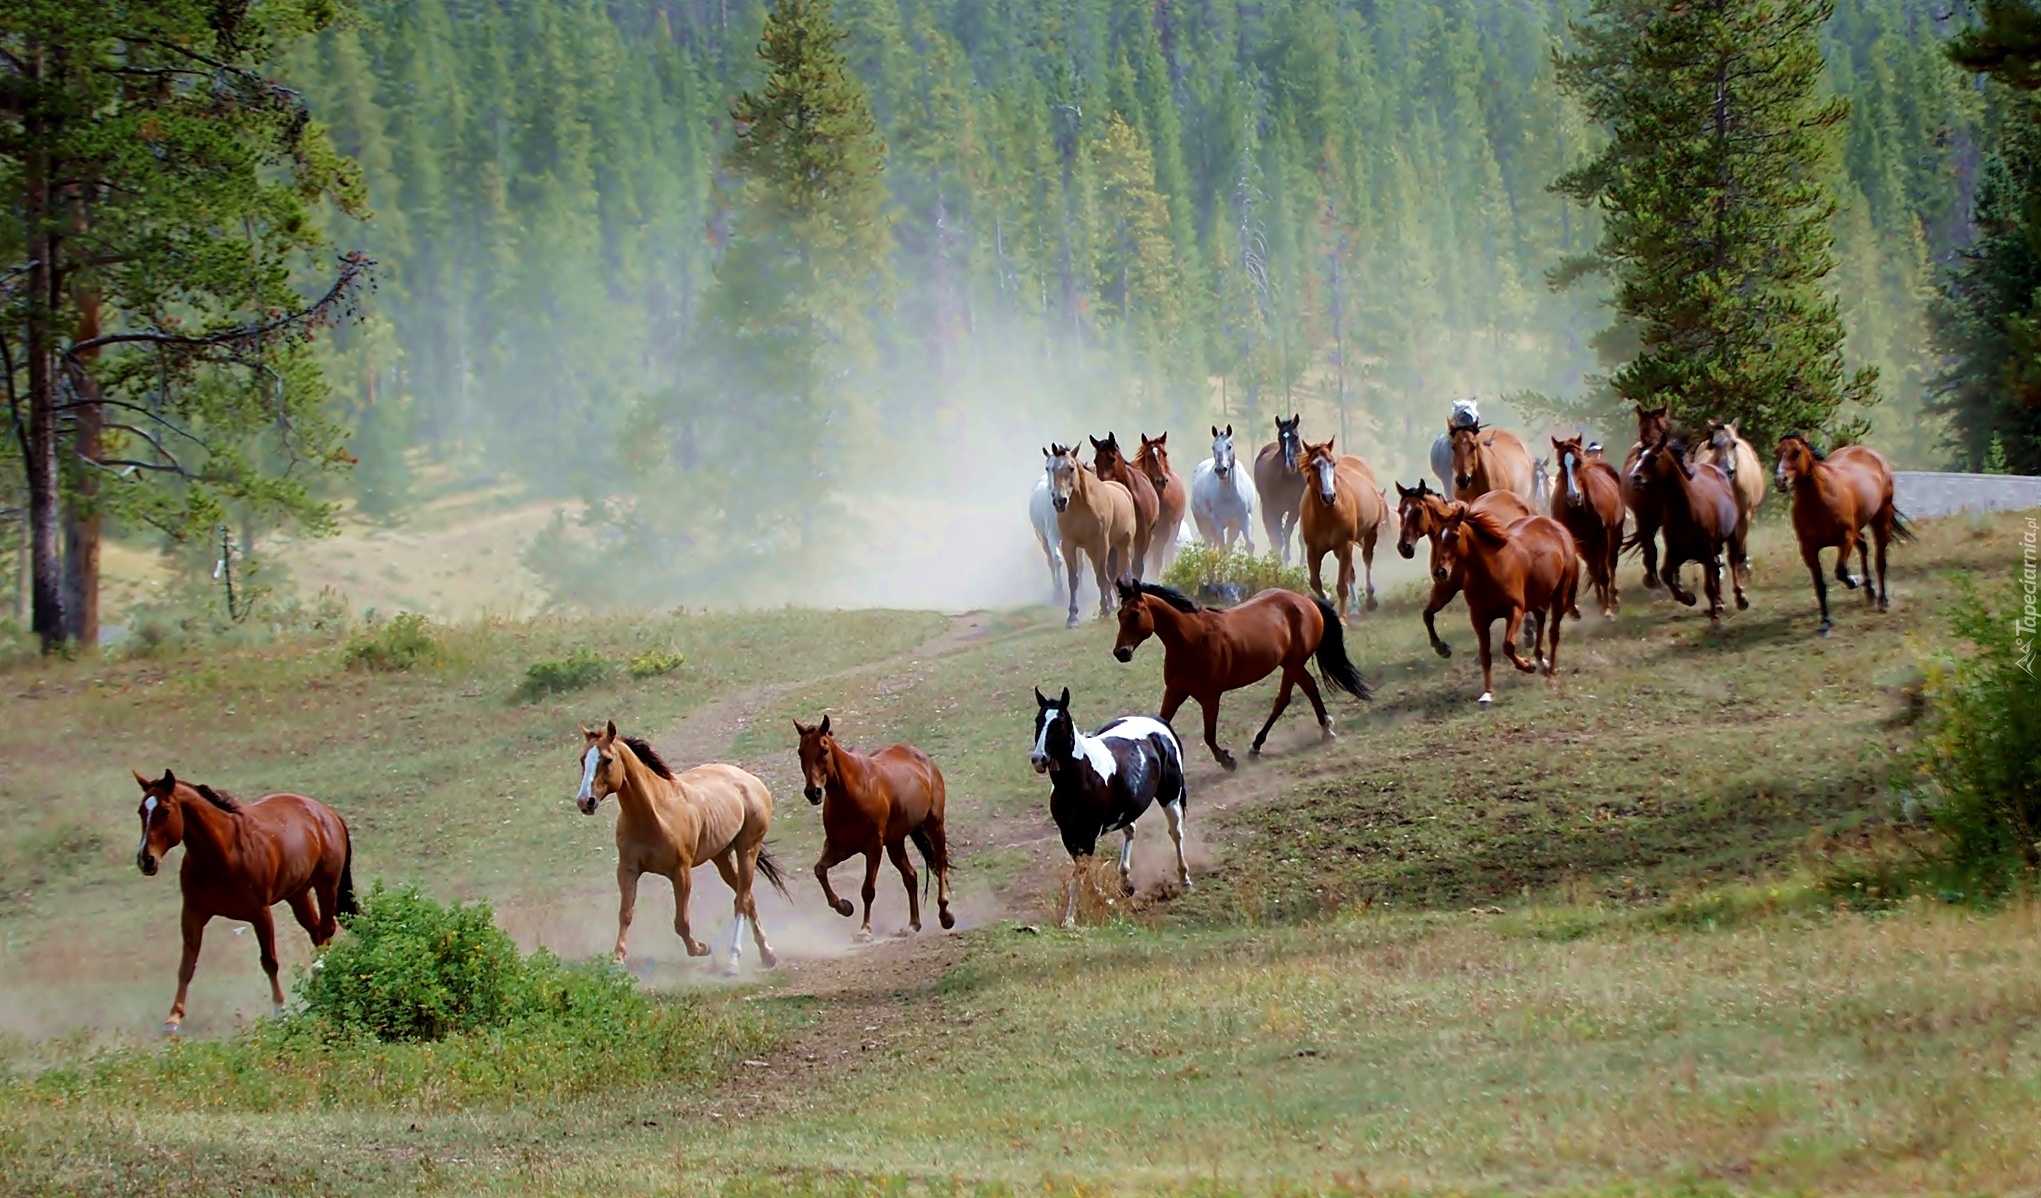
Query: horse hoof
[
  {"x": 1070, "y": 623},
  {"x": 1823, "y": 630},
  {"x": 905, "y": 932},
  {"x": 1372, "y": 605},
  {"x": 864, "y": 934},
  {"x": 844, "y": 908},
  {"x": 731, "y": 972},
  {"x": 1742, "y": 603},
  {"x": 1254, "y": 751},
  {"x": 1325, "y": 732},
  {"x": 1442, "y": 649},
  {"x": 1228, "y": 764},
  {"x": 949, "y": 921},
  {"x": 1685, "y": 600},
  {"x": 1884, "y": 605},
  {"x": 170, "y": 1027},
  {"x": 768, "y": 958},
  {"x": 1544, "y": 667},
  {"x": 1485, "y": 699}
]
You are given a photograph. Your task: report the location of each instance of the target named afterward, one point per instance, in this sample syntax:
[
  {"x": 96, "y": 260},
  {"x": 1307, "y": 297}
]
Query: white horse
[
  {"x": 1042, "y": 514},
  {"x": 1222, "y": 496},
  {"x": 1465, "y": 414}
]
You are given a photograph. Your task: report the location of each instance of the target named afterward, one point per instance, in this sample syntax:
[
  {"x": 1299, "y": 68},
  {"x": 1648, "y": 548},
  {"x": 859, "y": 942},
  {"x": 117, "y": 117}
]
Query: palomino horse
[
  {"x": 1105, "y": 782},
  {"x": 241, "y": 859},
  {"x": 1342, "y": 507},
  {"x": 1207, "y": 652},
  {"x": 1834, "y": 499},
  {"x": 1042, "y": 516},
  {"x": 1173, "y": 499},
  {"x": 872, "y": 803},
  {"x": 1652, "y": 424},
  {"x": 667, "y": 824},
  {"x": 1528, "y": 566},
  {"x": 1422, "y": 513},
  {"x": 1110, "y": 464},
  {"x": 1093, "y": 517},
  {"x": 1697, "y": 515},
  {"x": 1727, "y": 451},
  {"x": 1222, "y": 496},
  {"x": 1490, "y": 459},
  {"x": 1279, "y": 478},
  {"x": 1589, "y": 502}
]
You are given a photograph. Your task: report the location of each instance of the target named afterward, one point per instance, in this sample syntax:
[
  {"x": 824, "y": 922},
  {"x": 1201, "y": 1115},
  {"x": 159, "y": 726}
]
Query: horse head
[
  {"x": 162, "y": 821},
  {"x": 1062, "y": 466},
  {"x": 1137, "y": 622},
  {"x": 1154, "y": 458},
  {"x": 1721, "y": 446},
  {"x": 1466, "y": 413},
  {"x": 1413, "y": 516},
  {"x": 1653, "y": 423},
  {"x": 1446, "y": 549},
  {"x": 1569, "y": 454},
  {"x": 1661, "y": 459},
  {"x": 1222, "y": 451},
  {"x": 1055, "y": 735},
  {"x": 1467, "y": 443},
  {"x": 1324, "y": 468},
  {"x": 1797, "y": 456},
  {"x": 818, "y": 758},
  {"x": 1106, "y": 459},
  {"x": 1289, "y": 442},
  {"x": 602, "y": 767}
]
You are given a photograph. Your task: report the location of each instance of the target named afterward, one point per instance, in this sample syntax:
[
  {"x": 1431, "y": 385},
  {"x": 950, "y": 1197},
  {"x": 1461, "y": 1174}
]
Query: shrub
[
  {"x": 412, "y": 969},
  {"x": 1211, "y": 572},
  {"x": 400, "y": 643},
  {"x": 582, "y": 667},
  {"x": 653, "y": 662}
]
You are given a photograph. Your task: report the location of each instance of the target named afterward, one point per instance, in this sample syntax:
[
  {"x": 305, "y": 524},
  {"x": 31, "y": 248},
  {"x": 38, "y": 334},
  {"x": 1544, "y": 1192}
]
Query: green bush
[
  {"x": 653, "y": 662},
  {"x": 412, "y": 969},
  {"x": 1203, "y": 568},
  {"x": 582, "y": 667},
  {"x": 399, "y": 643}
]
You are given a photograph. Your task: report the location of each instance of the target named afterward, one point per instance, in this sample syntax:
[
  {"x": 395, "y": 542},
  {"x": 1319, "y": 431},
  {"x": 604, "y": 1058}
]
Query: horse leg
[
  {"x": 1669, "y": 574},
  {"x": 1552, "y": 643},
  {"x": 1211, "y": 710},
  {"x": 1611, "y": 562},
  {"x": 1648, "y": 542},
  {"x": 1481, "y": 632},
  {"x": 265, "y": 942},
  {"x": 1172, "y": 700},
  {"x": 1511, "y": 627},
  {"x": 1883, "y": 531},
  {"x": 726, "y": 865},
  {"x": 898, "y": 852},
  {"x": 1739, "y": 570},
  {"x": 831, "y": 857},
  {"x": 747, "y": 887},
  {"x": 1842, "y": 559},
  {"x": 870, "y": 890},
  {"x": 1317, "y": 572},
  {"x": 1070, "y": 566},
  {"x": 1282, "y": 701},
  {"x": 1812, "y": 556},
  {"x": 1310, "y": 686},
  {"x": 1127, "y": 862},
  {"x": 683, "y": 889},
  {"x": 935, "y": 845},
  {"x": 1871, "y": 587},
  {"x": 1368, "y": 564},
  {"x": 307, "y": 914},
  {"x": 1442, "y": 594},
  {"x": 1349, "y": 602},
  {"x": 1173, "y": 812},
  {"x": 1711, "y": 574},
  {"x": 193, "y": 925},
  {"x": 1070, "y": 890},
  {"x": 1102, "y": 569},
  {"x": 627, "y": 905}
]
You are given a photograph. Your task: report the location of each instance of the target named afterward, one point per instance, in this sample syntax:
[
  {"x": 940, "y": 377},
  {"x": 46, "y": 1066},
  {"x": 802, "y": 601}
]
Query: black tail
[
  {"x": 1902, "y": 529},
  {"x": 343, "y": 898},
  {"x": 769, "y": 868},
  {"x": 1332, "y": 659},
  {"x": 935, "y": 856}
]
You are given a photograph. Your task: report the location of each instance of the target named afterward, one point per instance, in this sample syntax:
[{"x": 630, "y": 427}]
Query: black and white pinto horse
[{"x": 1105, "y": 782}]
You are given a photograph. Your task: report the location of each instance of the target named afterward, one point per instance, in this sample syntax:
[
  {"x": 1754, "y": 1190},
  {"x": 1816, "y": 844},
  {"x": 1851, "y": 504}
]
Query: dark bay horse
[
  {"x": 1422, "y": 512},
  {"x": 1696, "y": 513},
  {"x": 1112, "y": 465},
  {"x": 1105, "y": 782},
  {"x": 241, "y": 859},
  {"x": 1509, "y": 570},
  {"x": 1173, "y": 500},
  {"x": 871, "y": 803},
  {"x": 1652, "y": 424},
  {"x": 1589, "y": 502},
  {"x": 1834, "y": 499},
  {"x": 1207, "y": 652},
  {"x": 1279, "y": 477}
]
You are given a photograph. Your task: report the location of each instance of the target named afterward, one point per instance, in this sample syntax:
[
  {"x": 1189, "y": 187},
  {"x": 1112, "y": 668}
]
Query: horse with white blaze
[{"x": 1105, "y": 782}]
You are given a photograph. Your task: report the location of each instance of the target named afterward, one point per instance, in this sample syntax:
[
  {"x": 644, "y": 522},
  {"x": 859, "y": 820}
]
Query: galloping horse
[
  {"x": 667, "y": 824},
  {"x": 1042, "y": 515},
  {"x": 1589, "y": 502},
  {"x": 872, "y": 803},
  {"x": 1105, "y": 782},
  {"x": 1094, "y": 517},
  {"x": 1490, "y": 459},
  {"x": 1422, "y": 513},
  {"x": 1697, "y": 514},
  {"x": 1279, "y": 478},
  {"x": 1652, "y": 424},
  {"x": 1342, "y": 507},
  {"x": 1465, "y": 413},
  {"x": 1510, "y": 569},
  {"x": 1222, "y": 498},
  {"x": 1834, "y": 498},
  {"x": 1727, "y": 451},
  {"x": 1173, "y": 499},
  {"x": 241, "y": 859},
  {"x": 1207, "y": 652},
  {"x": 1110, "y": 464}
]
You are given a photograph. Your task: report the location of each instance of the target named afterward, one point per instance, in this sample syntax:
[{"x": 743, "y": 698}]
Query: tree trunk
[
  {"x": 82, "y": 526},
  {"x": 47, "y": 605}
]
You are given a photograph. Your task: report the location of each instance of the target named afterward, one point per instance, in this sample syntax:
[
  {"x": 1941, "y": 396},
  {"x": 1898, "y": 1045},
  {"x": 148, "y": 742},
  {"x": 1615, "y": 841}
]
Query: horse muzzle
[
  {"x": 147, "y": 863},
  {"x": 1463, "y": 481},
  {"x": 1060, "y": 502},
  {"x": 587, "y": 803},
  {"x": 1123, "y": 654},
  {"x": 1441, "y": 573},
  {"x": 814, "y": 794},
  {"x": 1040, "y": 762},
  {"x": 1406, "y": 550}
]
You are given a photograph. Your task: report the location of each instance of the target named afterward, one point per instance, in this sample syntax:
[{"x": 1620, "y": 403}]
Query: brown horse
[
  {"x": 1173, "y": 499},
  {"x": 1096, "y": 518},
  {"x": 241, "y": 859},
  {"x": 1726, "y": 450},
  {"x": 1491, "y": 459},
  {"x": 872, "y": 803},
  {"x": 1697, "y": 515},
  {"x": 1207, "y": 652},
  {"x": 1422, "y": 513},
  {"x": 669, "y": 823},
  {"x": 1279, "y": 477},
  {"x": 1652, "y": 424},
  {"x": 1110, "y": 464},
  {"x": 1589, "y": 502},
  {"x": 1834, "y": 499},
  {"x": 1342, "y": 507},
  {"x": 1528, "y": 566}
]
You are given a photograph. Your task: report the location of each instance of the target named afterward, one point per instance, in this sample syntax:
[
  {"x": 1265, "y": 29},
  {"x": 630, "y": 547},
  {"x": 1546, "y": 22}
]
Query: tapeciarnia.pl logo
[{"x": 2028, "y": 622}]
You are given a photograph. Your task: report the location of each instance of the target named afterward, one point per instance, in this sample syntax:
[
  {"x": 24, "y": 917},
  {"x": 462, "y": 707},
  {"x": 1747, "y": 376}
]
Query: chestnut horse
[
  {"x": 1422, "y": 513},
  {"x": 872, "y": 803},
  {"x": 1491, "y": 459},
  {"x": 669, "y": 823},
  {"x": 1173, "y": 499},
  {"x": 1110, "y": 464},
  {"x": 1528, "y": 566},
  {"x": 1652, "y": 423},
  {"x": 1589, "y": 502},
  {"x": 1095, "y": 517},
  {"x": 1726, "y": 450},
  {"x": 1342, "y": 507},
  {"x": 1279, "y": 477},
  {"x": 1834, "y": 499},
  {"x": 241, "y": 859},
  {"x": 1207, "y": 652},
  {"x": 1696, "y": 513}
]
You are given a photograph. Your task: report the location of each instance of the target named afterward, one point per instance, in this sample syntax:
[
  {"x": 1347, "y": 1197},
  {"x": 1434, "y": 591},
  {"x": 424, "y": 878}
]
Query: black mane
[
  {"x": 218, "y": 798},
  {"x": 649, "y": 755},
  {"x": 1175, "y": 598}
]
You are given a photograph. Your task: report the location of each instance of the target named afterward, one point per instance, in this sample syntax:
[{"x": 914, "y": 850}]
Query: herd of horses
[{"x": 1677, "y": 499}]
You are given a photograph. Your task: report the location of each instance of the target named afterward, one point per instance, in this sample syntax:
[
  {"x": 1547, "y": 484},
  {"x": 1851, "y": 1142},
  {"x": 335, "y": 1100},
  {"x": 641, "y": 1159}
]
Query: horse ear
[
  {"x": 144, "y": 782},
  {"x": 1162, "y": 439},
  {"x": 800, "y": 729},
  {"x": 1095, "y": 442},
  {"x": 1065, "y": 700},
  {"x": 1402, "y": 492},
  {"x": 823, "y": 727},
  {"x": 168, "y": 781},
  {"x": 1229, "y": 430},
  {"x": 1215, "y": 431},
  {"x": 1040, "y": 699},
  {"x": 609, "y": 732}
]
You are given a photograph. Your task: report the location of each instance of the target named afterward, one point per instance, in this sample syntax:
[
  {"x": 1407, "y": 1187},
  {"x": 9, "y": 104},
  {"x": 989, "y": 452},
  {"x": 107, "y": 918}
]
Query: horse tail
[
  {"x": 1902, "y": 528},
  {"x": 934, "y": 854},
  {"x": 343, "y": 896},
  {"x": 769, "y": 869},
  {"x": 1332, "y": 659}
]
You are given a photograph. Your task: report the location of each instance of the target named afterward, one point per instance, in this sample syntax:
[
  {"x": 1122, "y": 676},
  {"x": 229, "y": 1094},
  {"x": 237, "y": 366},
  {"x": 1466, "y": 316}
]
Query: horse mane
[
  {"x": 1488, "y": 524},
  {"x": 218, "y": 798},
  {"x": 649, "y": 755},
  {"x": 1175, "y": 598}
]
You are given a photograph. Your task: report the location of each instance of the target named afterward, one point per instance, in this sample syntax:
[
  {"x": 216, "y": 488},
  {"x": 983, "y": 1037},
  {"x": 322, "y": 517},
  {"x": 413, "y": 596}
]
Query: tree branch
[{"x": 354, "y": 266}]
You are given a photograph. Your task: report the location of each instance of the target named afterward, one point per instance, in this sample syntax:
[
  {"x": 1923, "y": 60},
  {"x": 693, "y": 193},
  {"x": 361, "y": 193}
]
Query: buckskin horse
[
  {"x": 669, "y": 823},
  {"x": 241, "y": 859},
  {"x": 873, "y": 803},
  {"x": 1110, "y": 464},
  {"x": 1279, "y": 480},
  {"x": 1589, "y": 502},
  {"x": 1105, "y": 782},
  {"x": 1207, "y": 652},
  {"x": 1342, "y": 507},
  {"x": 1834, "y": 499},
  {"x": 1696, "y": 515},
  {"x": 1173, "y": 500},
  {"x": 1528, "y": 566},
  {"x": 1422, "y": 512},
  {"x": 1093, "y": 517}
]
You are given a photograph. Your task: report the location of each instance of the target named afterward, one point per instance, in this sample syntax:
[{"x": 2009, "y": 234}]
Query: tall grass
[{"x": 1221, "y": 574}]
